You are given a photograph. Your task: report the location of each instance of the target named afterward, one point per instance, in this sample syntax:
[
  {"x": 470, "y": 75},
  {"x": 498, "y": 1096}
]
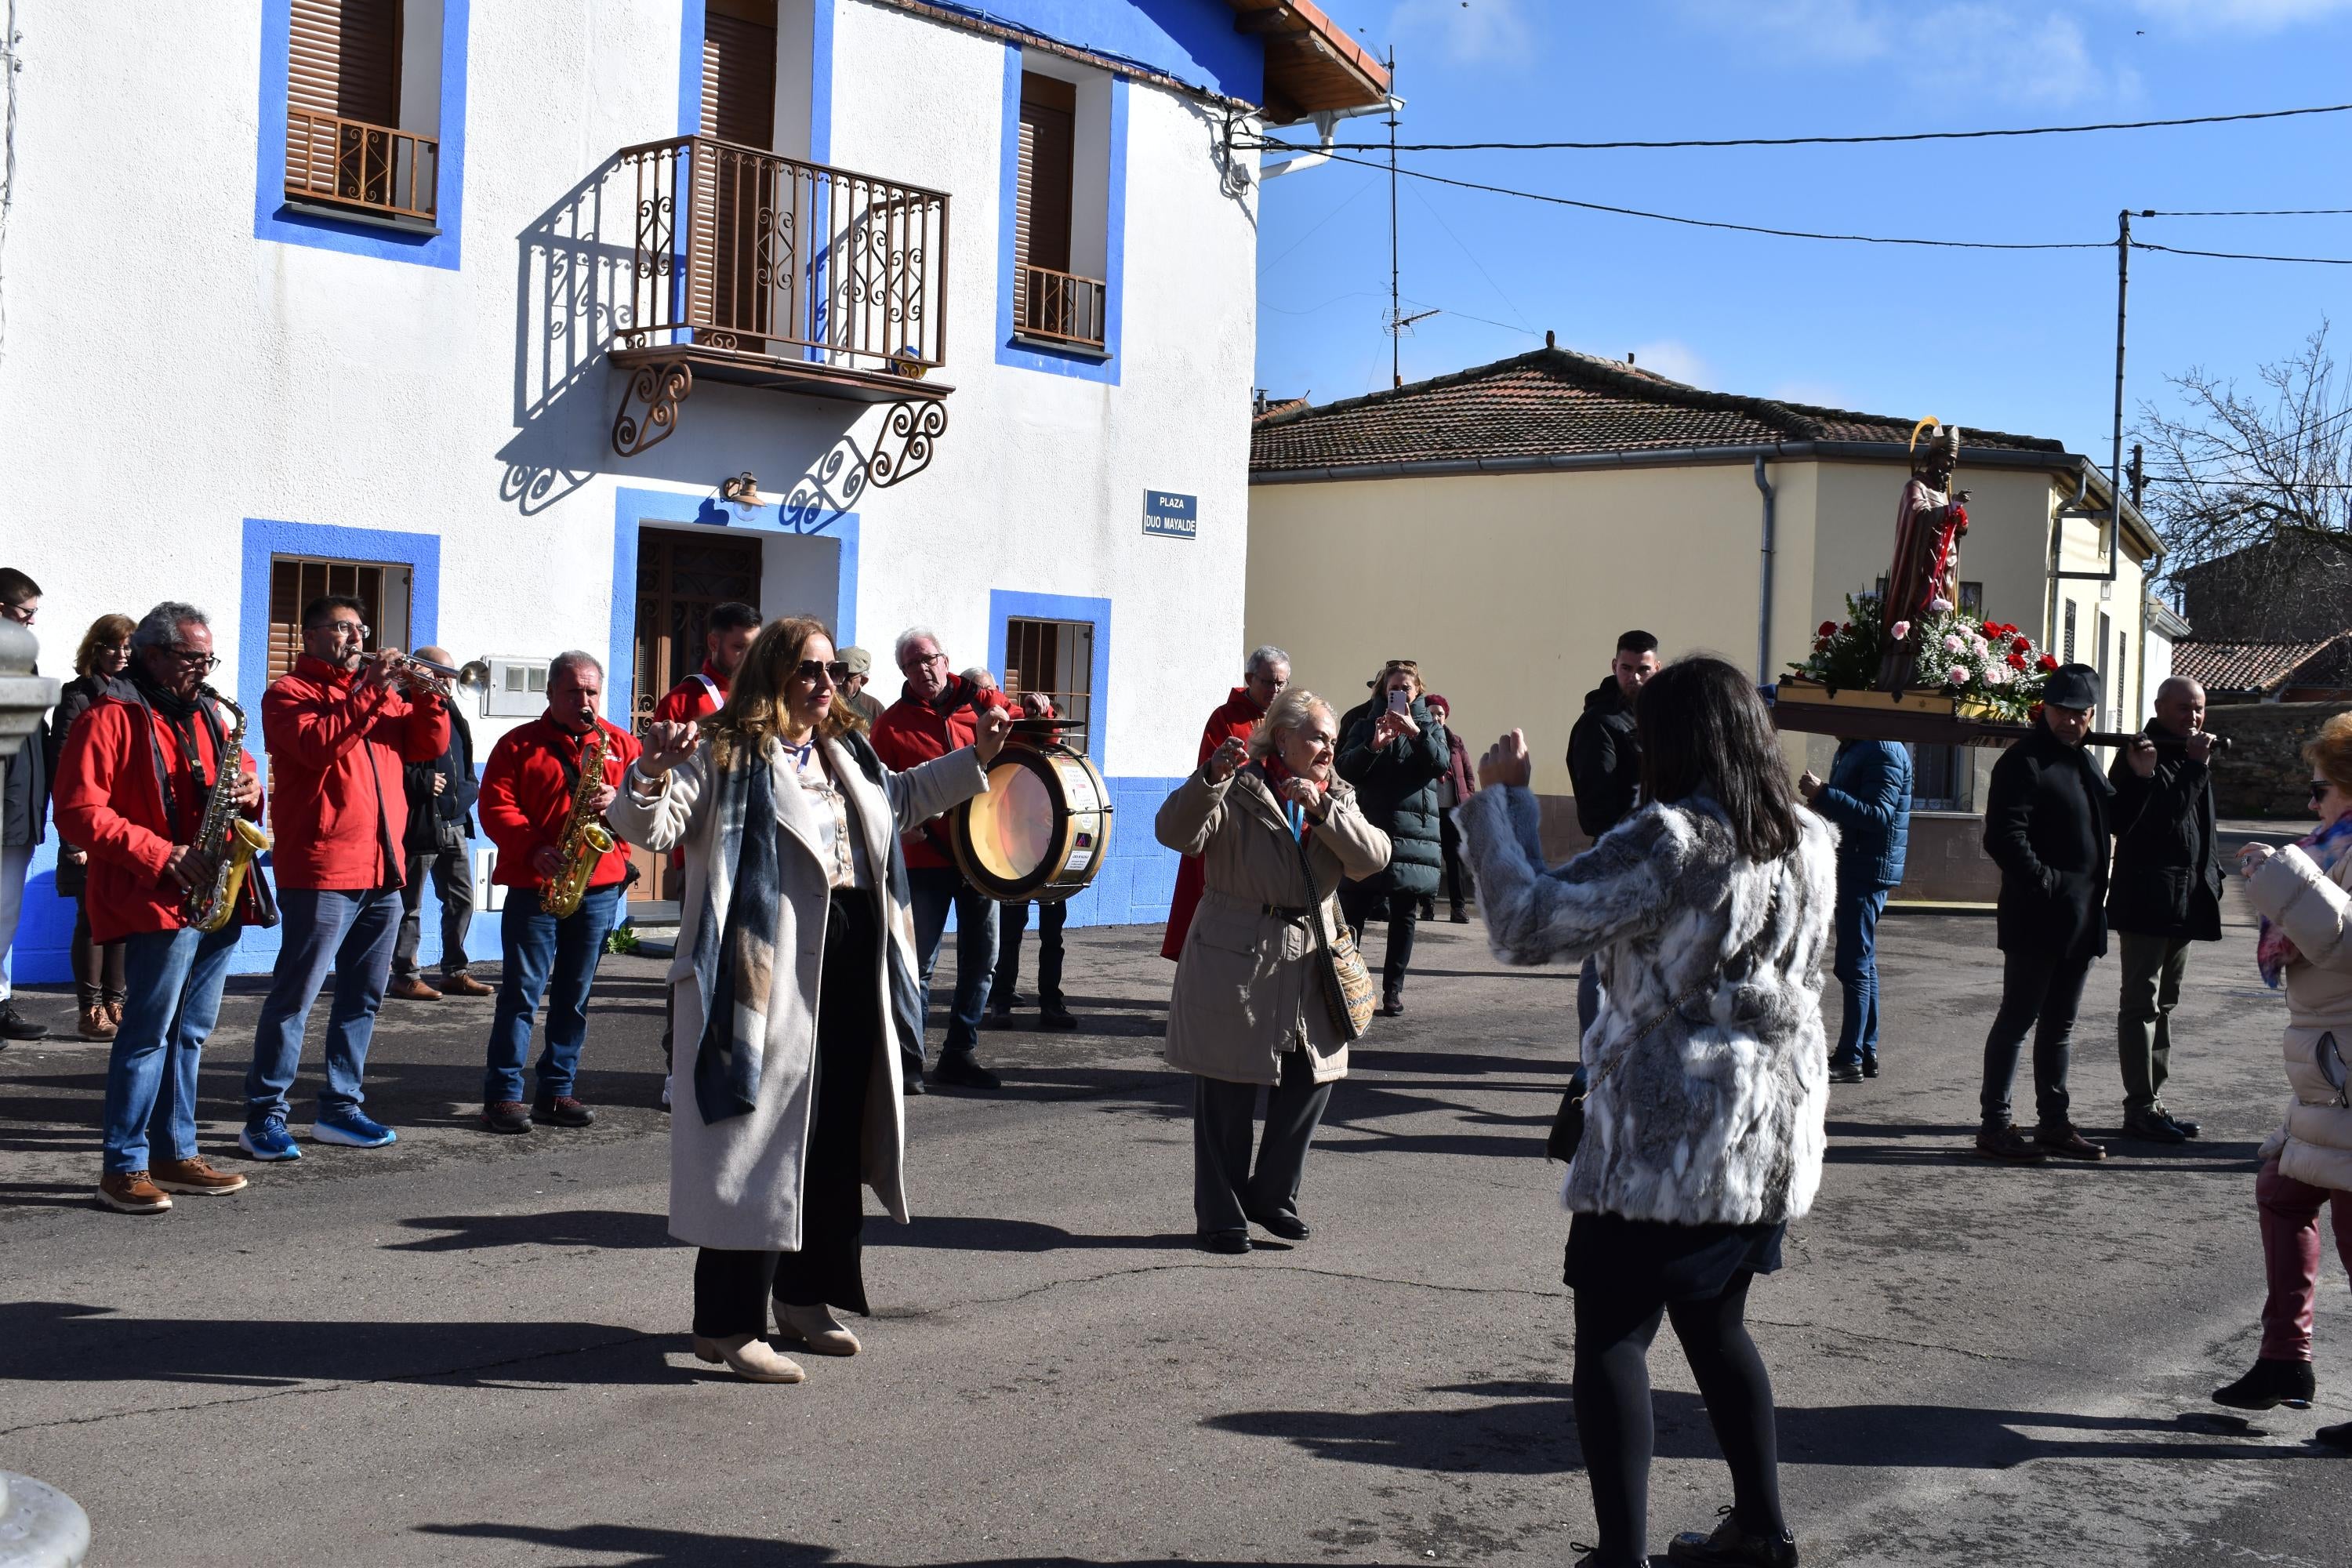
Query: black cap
[{"x": 2071, "y": 686}]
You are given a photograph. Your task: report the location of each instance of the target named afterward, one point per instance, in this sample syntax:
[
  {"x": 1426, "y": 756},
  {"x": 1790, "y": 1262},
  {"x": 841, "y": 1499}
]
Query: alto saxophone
[
  {"x": 586, "y": 840},
  {"x": 223, "y": 838}
]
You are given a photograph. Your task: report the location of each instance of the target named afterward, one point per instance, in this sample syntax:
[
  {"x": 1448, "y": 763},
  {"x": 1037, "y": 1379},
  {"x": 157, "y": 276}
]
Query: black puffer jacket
[
  {"x": 2168, "y": 873},
  {"x": 1605, "y": 764},
  {"x": 2046, "y": 827},
  {"x": 1397, "y": 785}
]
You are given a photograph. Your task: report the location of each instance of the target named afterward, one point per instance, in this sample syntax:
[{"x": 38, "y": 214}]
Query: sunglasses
[
  {"x": 2319, "y": 788},
  {"x": 809, "y": 669}
]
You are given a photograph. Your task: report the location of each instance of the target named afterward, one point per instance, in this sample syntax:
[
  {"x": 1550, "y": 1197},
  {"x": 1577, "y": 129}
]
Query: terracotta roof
[
  {"x": 2262, "y": 667},
  {"x": 1311, "y": 61},
  {"x": 1558, "y": 402}
]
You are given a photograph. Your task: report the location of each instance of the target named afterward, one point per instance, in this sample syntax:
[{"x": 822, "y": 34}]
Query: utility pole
[
  {"x": 2116, "y": 462},
  {"x": 1396, "y": 310}
]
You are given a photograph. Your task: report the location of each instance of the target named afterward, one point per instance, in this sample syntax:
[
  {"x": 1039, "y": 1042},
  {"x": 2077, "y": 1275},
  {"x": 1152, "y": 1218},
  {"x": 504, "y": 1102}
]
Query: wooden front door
[{"x": 680, "y": 577}]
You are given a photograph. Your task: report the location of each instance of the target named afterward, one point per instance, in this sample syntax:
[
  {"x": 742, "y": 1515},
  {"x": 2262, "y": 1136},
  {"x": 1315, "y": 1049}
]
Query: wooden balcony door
[
  {"x": 736, "y": 200},
  {"x": 343, "y": 65},
  {"x": 680, "y": 577}
]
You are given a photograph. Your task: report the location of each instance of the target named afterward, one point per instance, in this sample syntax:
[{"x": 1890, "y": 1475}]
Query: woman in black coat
[
  {"x": 1397, "y": 759},
  {"x": 100, "y": 669}
]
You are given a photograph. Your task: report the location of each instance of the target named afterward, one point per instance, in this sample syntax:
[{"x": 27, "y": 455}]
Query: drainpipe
[{"x": 1764, "y": 588}]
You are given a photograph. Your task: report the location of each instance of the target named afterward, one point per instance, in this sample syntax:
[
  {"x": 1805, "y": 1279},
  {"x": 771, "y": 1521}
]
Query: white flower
[{"x": 1941, "y": 607}]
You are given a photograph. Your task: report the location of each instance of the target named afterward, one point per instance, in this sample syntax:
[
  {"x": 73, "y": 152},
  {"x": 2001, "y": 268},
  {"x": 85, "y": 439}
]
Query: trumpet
[{"x": 413, "y": 673}]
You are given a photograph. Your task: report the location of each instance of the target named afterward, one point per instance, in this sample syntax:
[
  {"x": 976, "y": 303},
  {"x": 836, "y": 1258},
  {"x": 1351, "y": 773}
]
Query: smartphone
[{"x": 1399, "y": 700}]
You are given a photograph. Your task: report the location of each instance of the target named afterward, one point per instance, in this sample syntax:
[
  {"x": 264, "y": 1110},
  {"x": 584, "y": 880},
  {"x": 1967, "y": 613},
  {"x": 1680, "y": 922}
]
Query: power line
[
  {"x": 2257, "y": 211},
  {"x": 2245, "y": 256},
  {"x": 1268, "y": 145}
]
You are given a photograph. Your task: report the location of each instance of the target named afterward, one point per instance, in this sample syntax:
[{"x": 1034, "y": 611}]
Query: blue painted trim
[
  {"x": 265, "y": 537},
  {"x": 1005, "y": 603},
  {"x": 634, "y": 506},
  {"x": 274, "y": 220},
  {"x": 1055, "y": 361},
  {"x": 821, "y": 82},
  {"x": 691, "y": 32}
]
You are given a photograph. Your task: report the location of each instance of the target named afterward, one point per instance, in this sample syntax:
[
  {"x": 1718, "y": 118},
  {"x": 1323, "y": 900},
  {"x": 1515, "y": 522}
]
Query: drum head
[{"x": 1013, "y": 828}]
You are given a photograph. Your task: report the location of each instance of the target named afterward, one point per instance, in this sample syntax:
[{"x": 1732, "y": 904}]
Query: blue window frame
[
  {"x": 266, "y": 538},
  {"x": 274, "y": 220},
  {"x": 1006, "y": 605},
  {"x": 1029, "y": 355}
]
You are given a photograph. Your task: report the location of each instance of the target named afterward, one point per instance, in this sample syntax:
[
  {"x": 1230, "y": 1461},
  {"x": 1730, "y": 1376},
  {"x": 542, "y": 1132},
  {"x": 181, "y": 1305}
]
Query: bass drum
[{"x": 1042, "y": 829}]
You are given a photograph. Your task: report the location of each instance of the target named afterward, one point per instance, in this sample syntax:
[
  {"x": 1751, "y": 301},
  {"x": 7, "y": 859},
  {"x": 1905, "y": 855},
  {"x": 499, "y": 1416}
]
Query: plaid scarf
[
  {"x": 734, "y": 960},
  {"x": 2272, "y": 949}
]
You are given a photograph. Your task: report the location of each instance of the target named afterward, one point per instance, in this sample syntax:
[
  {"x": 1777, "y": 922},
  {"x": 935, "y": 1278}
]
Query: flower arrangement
[{"x": 1987, "y": 667}]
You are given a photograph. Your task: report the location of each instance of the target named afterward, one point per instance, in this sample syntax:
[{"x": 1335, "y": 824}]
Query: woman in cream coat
[
  {"x": 1249, "y": 1008},
  {"x": 784, "y": 1106},
  {"x": 2305, "y": 945}
]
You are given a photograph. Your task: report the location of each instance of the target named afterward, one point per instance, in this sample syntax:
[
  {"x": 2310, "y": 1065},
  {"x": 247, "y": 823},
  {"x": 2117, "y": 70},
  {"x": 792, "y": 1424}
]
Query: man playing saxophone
[
  {"x": 544, "y": 796},
  {"x": 134, "y": 788}
]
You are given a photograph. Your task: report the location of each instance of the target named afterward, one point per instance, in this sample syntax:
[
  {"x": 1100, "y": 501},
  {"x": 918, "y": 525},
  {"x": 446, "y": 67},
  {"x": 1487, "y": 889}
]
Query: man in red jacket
[
  {"x": 339, "y": 726},
  {"x": 132, "y": 789},
  {"x": 527, "y": 790},
  {"x": 733, "y": 626},
  {"x": 935, "y": 714},
  {"x": 1263, "y": 680}
]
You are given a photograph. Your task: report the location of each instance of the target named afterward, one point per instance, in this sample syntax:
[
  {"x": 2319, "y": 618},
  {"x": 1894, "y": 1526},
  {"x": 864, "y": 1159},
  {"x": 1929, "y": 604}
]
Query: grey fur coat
[{"x": 1714, "y": 1114}]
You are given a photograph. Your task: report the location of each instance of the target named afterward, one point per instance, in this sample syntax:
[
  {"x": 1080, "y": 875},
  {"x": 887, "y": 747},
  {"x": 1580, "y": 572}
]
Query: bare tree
[{"x": 2262, "y": 479}]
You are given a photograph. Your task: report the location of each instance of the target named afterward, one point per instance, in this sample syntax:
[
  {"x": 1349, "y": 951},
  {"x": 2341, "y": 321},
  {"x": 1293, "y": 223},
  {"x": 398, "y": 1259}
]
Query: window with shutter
[
  {"x": 296, "y": 580},
  {"x": 1050, "y": 301},
  {"x": 739, "y": 105},
  {"x": 344, "y": 141}
]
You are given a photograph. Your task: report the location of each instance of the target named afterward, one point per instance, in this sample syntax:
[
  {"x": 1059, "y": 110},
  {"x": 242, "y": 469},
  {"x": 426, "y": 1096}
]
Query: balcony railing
[
  {"x": 749, "y": 251},
  {"x": 1060, "y": 306},
  {"x": 350, "y": 162}
]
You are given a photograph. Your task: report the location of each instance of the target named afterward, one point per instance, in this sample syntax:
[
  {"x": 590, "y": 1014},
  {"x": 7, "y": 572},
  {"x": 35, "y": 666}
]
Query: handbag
[
  {"x": 1568, "y": 1121},
  {"x": 1347, "y": 983}
]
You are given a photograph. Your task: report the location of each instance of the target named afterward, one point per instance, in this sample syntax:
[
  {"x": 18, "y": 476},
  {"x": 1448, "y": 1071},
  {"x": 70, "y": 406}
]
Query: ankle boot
[{"x": 2273, "y": 1383}]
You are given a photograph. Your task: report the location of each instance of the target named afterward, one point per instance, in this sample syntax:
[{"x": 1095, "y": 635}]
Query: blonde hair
[
  {"x": 1290, "y": 710},
  {"x": 2330, "y": 751},
  {"x": 753, "y": 714}
]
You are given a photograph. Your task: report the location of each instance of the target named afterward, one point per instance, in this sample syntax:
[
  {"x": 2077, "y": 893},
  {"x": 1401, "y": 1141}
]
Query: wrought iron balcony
[
  {"x": 371, "y": 169},
  {"x": 1059, "y": 308},
  {"x": 754, "y": 267}
]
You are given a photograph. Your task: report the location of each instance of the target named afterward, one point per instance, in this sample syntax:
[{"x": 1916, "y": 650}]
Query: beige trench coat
[
  {"x": 2315, "y": 910},
  {"x": 1247, "y": 987},
  {"x": 737, "y": 1182}
]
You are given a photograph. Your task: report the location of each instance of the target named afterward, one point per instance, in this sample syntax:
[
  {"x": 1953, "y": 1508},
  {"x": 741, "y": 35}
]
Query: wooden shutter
[
  {"x": 738, "y": 73},
  {"x": 739, "y": 105},
  {"x": 1041, "y": 211},
  {"x": 344, "y": 60},
  {"x": 295, "y": 580}
]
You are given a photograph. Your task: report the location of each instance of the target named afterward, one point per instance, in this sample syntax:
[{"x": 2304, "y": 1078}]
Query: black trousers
[
  {"x": 1615, "y": 1424},
  {"x": 2040, "y": 992},
  {"x": 1225, "y": 1191},
  {"x": 1458, "y": 888},
  {"x": 1357, "y": 906},
  {"x": 1011, "y": 919},
  {"x": 731, "y": 1287}
]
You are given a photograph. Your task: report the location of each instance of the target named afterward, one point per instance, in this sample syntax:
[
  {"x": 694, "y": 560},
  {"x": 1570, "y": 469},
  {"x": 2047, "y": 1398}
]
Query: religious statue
[{"x": 1929, "y": 524}]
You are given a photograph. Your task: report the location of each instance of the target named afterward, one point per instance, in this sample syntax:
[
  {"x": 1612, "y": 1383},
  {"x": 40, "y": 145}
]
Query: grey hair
[
  {"x": 572, "y": 659},
  {"x": 1291, "y": 710},
  {"x": 908, "y": 639},
  {"x": 1261, "y": 656},
  {"x": 160, "y": 628},
  {"x": 982, "y": 676}
]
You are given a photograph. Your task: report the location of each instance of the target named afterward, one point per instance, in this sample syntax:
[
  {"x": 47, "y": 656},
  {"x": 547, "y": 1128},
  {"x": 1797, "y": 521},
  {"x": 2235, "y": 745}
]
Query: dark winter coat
[
  {"x": 78, "y": 696},
  {"x": 2167, "y": 872},
  {"x": 1604, "y": 762},
  {"x": 2046, "y": 827},
  {"x": 1868, "y": 795},
  {"x": 25, "y": 792},
  {"x": 454, "y": 804},
  {"x": 1397, "y": 785}
]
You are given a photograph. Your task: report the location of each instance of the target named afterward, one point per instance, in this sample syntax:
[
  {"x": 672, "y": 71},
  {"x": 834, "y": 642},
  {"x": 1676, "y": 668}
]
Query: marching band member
[
  {"x": 339, "y": 726},
  {"x": 133, "y": 786},
  {"x": 529, "y": 789}
]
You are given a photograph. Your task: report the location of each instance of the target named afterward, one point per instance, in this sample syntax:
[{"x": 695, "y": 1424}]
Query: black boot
[
  {"x": 1734, "y": 1545},
  {"x": 2273, "y": 1383},
  {"x": 2337, "y": 1436}
]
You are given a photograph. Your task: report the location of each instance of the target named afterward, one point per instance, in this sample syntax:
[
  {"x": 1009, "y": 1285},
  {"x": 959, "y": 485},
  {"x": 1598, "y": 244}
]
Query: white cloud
[
  {"x": 1815, "y": 394},
  {"x": 1674, "y": 361},
  {"x": 2022, "y": 54},
  {"x": 2260, "y": 17},
  {"x": 1468, "y": 32}
]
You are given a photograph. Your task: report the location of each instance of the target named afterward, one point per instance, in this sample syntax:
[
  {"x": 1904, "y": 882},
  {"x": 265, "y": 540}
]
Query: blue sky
[{"x": 2023, "y": 342}]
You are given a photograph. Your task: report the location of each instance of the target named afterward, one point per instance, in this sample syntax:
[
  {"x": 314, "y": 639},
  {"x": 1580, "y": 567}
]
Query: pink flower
[
  {"x": 1960, "y": 675},
  {"x": 1901, "y": 629},
  {"x": 1941, "y": 607},
  {"x": 1953, "y": 644}
]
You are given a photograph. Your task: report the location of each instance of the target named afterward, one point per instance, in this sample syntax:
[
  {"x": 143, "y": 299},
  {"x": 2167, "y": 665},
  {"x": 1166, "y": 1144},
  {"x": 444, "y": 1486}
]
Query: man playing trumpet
[{"x": 542, "y": 803}]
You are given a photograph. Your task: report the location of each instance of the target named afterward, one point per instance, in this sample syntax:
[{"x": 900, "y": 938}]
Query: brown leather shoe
[
  {"x": 129, "y": 1191},
  {"x": 2065, "y": 1142},
  {"x": 114, "y": 1010},
  {"x": 195, "y": 1175},
  {"x": 97, "y": 1023},
  {"x": 466, "y": 985},
  {"x": 2006, "y": 1143},
  {"x": 563, "y": 1110},
  {"x": 412, "y": 988}
]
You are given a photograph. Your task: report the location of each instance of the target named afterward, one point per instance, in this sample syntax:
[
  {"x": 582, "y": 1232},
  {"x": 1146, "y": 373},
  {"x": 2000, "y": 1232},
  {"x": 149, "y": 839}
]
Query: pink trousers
[{"x": 2290, "y": 1216}]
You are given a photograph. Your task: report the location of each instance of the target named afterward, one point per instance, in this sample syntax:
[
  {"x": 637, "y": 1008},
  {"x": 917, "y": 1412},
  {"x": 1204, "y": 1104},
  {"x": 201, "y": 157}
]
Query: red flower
[
  {"x": 2021, "y": 645},
  {"x": 2045, "y": 664},
  {"x": 1821, "y": 644},
  {"x": 2009, "y": 628},
  {"x": 2034, "y": 714},
  {"x": 1829, "y": 629},
  {"x": 1990, "y": 629},
  {"x": 2017, "y": 661}
]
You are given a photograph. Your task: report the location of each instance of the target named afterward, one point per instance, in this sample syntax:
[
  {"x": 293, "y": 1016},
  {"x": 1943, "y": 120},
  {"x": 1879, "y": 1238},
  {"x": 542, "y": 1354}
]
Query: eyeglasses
[
  {"x": 22, "y": 614},
  {"x": 922, "y": 661},
  {"x": 836, "y": 672},
  {"x": 204, "y": 662},
  {"x": 341, "y": 628}
]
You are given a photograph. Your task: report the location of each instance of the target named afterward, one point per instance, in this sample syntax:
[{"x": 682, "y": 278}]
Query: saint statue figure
[{"x": 1929, "y": 524}]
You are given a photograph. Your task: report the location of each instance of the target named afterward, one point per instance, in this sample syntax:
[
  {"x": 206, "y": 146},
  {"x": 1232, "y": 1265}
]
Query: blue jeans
[
  {"x": 934, "y": 888},
  {"x": 541, "y": 949},
  {"x": 1857, "y": 967},
  {"x": 349, "y": 932},
  {"x": 175, "y": 979}
]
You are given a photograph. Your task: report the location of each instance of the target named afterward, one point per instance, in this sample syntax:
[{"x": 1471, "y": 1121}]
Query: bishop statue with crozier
[{"x": 1929, "y": 524}]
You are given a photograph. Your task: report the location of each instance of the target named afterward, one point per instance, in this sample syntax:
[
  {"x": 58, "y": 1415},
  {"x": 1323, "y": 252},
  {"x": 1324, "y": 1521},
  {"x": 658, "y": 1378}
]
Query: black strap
[{"x": 187, "y": 736}]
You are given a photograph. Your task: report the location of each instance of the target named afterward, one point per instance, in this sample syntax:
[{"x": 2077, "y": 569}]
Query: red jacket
[
  {"x": 527, "y": 798},
  {"x": 336, "y": 745},
  {"x": 110, "y": 801},
  {"x": 690, "y": 699},
  {"x": 910, "y": 733},
  {"x": 1235, "y": 721}
]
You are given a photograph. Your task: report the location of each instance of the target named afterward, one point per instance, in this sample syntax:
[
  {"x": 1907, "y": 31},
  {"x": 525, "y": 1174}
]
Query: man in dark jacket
[
  {"x": 2167, "y": 893},
  {"x": 1605, "y": 764},
  {"x": 1396, "y": 759},
  {"x": 24, "y": 813},
  {"x": 440, "y": 820},
  {"x": 2046, "y": 827},
  {"x": 1868, "y": 795}
]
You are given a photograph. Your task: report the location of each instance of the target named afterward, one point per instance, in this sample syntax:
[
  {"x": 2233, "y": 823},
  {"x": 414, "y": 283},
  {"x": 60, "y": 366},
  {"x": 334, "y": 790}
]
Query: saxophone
[
  {"x": 224, "y": 838},
  {"x": 586, "y": 840}
]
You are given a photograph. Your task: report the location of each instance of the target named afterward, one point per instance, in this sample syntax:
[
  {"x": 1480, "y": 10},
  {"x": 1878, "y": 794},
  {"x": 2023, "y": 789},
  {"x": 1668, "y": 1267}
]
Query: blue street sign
[{"x": 1170, "y": 516}]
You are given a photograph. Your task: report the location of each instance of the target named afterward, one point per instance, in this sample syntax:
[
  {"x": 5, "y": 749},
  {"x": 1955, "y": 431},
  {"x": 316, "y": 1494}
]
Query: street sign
[{"x": 1166, "y": 515}]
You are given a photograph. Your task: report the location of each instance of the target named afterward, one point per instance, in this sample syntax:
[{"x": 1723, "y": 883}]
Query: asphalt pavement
[{"x": 472, "y": 1349}]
